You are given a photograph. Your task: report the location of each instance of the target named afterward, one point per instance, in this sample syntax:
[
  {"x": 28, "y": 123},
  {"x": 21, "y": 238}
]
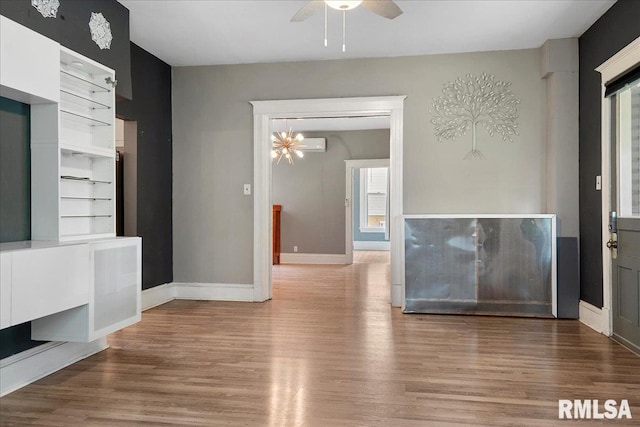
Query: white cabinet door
[
  {"x": 29, "y": 64},
  {"x": 5, "y": 290},
  {"x": 114, "y": 295},
  {"x": 47, "y": 281},
  {"x": 116, "y": 285}
]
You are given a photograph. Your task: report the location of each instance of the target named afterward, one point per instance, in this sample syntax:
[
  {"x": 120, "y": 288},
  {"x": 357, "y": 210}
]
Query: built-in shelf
[
  {"x": 85, "y": 216},
  {"x": 80, "y": 118},
  {"x": 83, "y": 236},
  {"x": 86, "y": 83},
  {"x": 84, "y": 198},
  {"x": 82, "y": 100},
  {"x": 84, "y": 179},
  {"x": 86, "y": 151},
  {"x": 75, "y": 169}
]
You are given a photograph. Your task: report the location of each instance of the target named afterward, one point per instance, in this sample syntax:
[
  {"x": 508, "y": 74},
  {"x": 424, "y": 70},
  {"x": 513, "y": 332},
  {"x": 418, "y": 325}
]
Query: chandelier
[{"x": 284, "y": 144}]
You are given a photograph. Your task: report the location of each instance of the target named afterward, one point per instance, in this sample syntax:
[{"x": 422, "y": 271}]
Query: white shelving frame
[
  {"x": 114, "y": 299},
  {"x": 73, "y": 154},
  {"x": 75, "y": 279}
]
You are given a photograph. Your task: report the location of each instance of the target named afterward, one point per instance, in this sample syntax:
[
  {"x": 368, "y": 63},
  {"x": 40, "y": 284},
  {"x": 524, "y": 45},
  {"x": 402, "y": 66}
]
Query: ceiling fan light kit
[
  {"x": 343, "y": 4},
  {"x": 385, "y": 8}
]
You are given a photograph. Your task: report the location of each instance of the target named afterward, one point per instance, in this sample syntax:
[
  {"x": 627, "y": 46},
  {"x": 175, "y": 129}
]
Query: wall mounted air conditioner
[{"x": 314, "y": 144}]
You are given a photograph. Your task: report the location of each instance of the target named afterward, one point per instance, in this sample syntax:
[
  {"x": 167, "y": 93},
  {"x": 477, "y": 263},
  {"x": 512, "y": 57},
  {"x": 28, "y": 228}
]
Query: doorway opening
[
  {"x": 368, "y": 206},
  {"x": 620, "y": 232},
  {"x": 264, "y": 113},
  {"x": 126, "y": 177}
]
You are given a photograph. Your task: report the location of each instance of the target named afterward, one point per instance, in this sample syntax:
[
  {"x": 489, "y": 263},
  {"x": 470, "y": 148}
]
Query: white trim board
[
  {"x": 263, "y": 114},
  {"x": 162, "y": 294},
  {"x": 591, "y": 316},
  {"x": 363, "y": 245},
  {"x": 29, "y": 366},
  {"x": 298, "y": 258},
  {"x": 213, "y": 291},
  {"x": 618, "y": 64},
  {"x": 350, "y": 166},
  {"x": 157, "y": 295}
]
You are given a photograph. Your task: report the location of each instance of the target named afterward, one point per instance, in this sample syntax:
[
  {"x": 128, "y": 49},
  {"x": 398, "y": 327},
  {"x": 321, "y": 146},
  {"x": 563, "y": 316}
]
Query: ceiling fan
[{"x": 385, "y": 8}]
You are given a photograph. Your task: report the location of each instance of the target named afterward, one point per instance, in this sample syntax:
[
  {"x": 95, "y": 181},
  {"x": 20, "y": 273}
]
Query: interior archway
[{"x": 263, "y": 113}]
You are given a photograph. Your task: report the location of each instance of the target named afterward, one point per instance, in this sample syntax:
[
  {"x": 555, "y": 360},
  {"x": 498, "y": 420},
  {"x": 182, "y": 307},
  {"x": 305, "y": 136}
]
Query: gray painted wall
[
  {"x": 312, "y": 191},
  {"x": 213, "y": 138}
]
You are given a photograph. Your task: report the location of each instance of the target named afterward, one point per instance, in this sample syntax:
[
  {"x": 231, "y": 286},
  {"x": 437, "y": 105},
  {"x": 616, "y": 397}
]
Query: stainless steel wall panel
[{"x": 479, "y": 265}]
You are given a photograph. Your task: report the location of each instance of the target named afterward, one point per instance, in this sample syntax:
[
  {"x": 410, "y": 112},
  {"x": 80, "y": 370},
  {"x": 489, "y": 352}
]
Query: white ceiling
[{"x": 201, "y": 32}]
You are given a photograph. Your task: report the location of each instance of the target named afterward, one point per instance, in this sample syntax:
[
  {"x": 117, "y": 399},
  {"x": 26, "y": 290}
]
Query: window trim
[{"x": 364, "y": 208}]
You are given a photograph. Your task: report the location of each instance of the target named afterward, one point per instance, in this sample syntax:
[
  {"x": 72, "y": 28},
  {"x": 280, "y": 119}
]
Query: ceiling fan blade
[
  {"x": 308, "y": 10},
  {"x": 385, "y": 8}
]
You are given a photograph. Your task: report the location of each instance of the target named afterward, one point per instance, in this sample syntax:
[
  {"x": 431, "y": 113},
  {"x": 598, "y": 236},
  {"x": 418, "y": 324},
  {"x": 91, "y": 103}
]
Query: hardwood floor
[{"x": 328, "y": 350}]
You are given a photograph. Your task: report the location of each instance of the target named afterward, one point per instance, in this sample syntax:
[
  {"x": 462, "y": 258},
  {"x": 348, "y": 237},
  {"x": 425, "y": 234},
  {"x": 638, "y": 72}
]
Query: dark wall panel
[
  {"x": 151, "y": 108},
  {"x": 15, "y": 201},
  {"x": 70, "y": 28},
  {"x": 15, "y": 171},
  {"x": 613, "y": 31}
]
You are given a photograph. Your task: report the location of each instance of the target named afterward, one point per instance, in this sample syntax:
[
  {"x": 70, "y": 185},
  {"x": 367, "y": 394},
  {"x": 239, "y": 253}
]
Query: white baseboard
[
  {"x": 213, "y": 291},
  {"x": 396, "y": 295},
  {"x": 157, "y": 295},
  {"x": 162, "y": 294},
  {"x": 24, "y": 368},
  {"x": 298, "y": 258},
  {"x": 591, "y": 316},
  {"x": 362, "y": 245}
]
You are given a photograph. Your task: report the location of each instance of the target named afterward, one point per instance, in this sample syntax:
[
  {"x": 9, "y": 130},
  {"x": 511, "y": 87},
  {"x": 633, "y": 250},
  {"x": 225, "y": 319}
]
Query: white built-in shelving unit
[
  {"x": 75, "y": 142},
  {"x": 75, "y": 280}
]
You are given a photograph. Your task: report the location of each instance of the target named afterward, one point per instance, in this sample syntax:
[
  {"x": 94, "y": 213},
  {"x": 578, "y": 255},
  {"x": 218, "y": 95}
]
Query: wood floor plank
[{"x": 328, "y": 350}]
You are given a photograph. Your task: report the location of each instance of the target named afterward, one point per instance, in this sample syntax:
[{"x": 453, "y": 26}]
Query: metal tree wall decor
[
  {"x": 472, "y": 100},
  {"x": 100, "y": 30}
]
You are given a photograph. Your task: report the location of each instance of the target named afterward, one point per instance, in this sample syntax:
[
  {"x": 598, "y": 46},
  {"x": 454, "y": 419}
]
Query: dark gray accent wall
[
  {"x": 15, "y": 201},
  {"x": 613, "y": 31},
  {"x": 15, "y": 171},
  {"x": 151, "y": 109},
  {"x": 70, "y": 28},
  {"x": 568, "y": 278}
]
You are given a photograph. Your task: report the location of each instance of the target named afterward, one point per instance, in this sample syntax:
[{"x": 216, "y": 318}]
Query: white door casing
[
  {"x": 263, "y": 113},
  {"x": 618, "y": 64},
  {"x": 350, "y": 165}
]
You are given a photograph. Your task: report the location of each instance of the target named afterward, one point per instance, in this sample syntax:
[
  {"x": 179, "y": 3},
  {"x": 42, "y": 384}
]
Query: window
[
  {"x": 627, "y": 110},
  {"x": 373, "y": 199}
]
